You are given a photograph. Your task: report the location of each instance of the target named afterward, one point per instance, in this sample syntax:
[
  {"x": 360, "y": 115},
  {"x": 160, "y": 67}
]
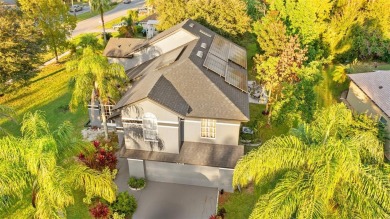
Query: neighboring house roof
[
  {"x": 376, "y": 85},
  {"x": 179, "y": 80},
  {"x": 121, "y": 47},
  {"x": 193, "y": 153},
  {"x": 150, "y": 17}
]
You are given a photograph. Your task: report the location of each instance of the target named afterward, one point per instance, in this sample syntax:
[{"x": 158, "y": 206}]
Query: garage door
[{"x": 182, "y": 174}]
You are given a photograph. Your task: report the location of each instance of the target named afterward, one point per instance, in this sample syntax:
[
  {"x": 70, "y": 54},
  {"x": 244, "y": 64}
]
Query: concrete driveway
[{"x": 167, "y": 200}]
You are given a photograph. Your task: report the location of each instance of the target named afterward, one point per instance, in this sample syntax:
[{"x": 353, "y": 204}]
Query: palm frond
[
  {"x": 93, "y": 182},
  {"x": 275, "y": 155}
]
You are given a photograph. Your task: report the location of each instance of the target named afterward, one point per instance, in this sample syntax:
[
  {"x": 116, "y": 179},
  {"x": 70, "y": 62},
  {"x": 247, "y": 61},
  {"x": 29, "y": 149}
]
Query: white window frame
[
  {"x": 150, "y": 127},
  {"x": 208, "y": 128}
]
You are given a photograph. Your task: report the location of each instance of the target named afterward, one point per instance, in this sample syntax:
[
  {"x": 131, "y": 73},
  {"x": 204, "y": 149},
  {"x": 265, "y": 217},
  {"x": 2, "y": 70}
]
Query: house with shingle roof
[
  {"x": 370, "y": 93},
  {"x": 179, "y": 121}
]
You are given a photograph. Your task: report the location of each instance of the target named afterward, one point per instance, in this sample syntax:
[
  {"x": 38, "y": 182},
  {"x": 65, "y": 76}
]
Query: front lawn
[
  {"x": 47, "y": 92},
  {"x": 90, "y": 14},
  {"x": 79, "y": 210}
]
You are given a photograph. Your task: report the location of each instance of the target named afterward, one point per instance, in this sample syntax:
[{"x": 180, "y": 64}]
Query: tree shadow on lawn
[{"x": 54, "y": 113}]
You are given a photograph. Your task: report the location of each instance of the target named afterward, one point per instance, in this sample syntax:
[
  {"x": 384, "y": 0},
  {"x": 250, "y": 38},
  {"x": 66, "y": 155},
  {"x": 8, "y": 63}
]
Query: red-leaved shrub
[
  {"x": 100, "y": 159},
  {"x": 99, "y": 210}
]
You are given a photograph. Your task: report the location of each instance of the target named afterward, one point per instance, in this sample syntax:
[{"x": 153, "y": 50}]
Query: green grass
[
  {"x": 79, "y": 210},
  {"x": 328, "y": 91},
  {"x": 249, "y": 41},
  {"x": 90, "y": 14},
  {"x": 47, "y": 92}
]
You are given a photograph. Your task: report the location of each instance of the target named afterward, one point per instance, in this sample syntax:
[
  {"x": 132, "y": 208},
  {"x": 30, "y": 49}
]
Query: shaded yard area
[{"x": 47, "y": 92}]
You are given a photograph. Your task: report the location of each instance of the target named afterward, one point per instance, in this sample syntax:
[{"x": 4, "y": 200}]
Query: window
[
  {"x": 383, "y": 120},
  {"x": 108, "y": 112},
  {"x": 208, "y": 128},
  {"x": 149, "y": 127}
]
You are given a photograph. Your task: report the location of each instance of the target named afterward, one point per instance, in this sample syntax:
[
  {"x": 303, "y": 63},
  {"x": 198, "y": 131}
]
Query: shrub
[
  {"x": 124, "y": 204},
  {"x": 103, "y": 157},
  {"x": 100, "y": 210},
  {"x": 136, "y": 183}
]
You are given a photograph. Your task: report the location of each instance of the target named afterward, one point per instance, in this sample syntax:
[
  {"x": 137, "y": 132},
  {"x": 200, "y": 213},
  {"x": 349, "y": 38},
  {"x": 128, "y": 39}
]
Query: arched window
[{"x": 149, "y": 126}]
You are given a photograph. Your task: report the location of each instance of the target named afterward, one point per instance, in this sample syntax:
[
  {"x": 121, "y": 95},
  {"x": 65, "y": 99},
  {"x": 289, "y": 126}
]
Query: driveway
[
  {"x": 92, "y": 24},
  {"x": 167, "y": 200}
]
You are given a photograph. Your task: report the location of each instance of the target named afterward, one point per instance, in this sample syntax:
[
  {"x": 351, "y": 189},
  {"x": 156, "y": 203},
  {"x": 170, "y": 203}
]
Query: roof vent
[
  {"x": 199, "y": 54},
  {"x": 203, "y": 45},
  {"x": 191, "y": 24},
  {"x": 380, "y": 87}
]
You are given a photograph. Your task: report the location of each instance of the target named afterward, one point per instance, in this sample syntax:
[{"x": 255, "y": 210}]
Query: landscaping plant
[
  {"x": 103, "y": 157},
  {"x": 136, "y": 183},
  {"x": 125, "y": 204},
  {"x": 100, "y": 210}
]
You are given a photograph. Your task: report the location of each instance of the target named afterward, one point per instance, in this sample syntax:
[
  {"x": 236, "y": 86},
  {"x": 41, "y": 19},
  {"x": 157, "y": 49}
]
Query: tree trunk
[
  {"x": 104, "y": 119},
  {"x": 104, "y": 29},
  {"x": 55, "y": 52}
]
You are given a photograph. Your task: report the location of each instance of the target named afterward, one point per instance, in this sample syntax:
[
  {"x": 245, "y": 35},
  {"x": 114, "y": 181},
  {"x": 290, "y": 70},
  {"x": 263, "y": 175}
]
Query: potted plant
[{"x": 136, "y": 184}]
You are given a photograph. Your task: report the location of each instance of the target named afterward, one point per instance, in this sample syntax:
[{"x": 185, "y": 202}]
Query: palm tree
[
  {"x": 340, "y": 74},
  {"x": 100, "y": 5},
  {"x": 331, "y": 168},
  {"x": 39, "y": 171},
  {"x": 98, "y": 77}
]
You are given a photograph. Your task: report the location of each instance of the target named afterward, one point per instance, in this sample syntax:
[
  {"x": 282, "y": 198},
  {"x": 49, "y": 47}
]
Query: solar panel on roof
[
  {"x": 236, "y": 77},
  {"x": 220, "y": 48},
  {"x": 215, "y": 64},
  {"x": 237, "y": 55}
]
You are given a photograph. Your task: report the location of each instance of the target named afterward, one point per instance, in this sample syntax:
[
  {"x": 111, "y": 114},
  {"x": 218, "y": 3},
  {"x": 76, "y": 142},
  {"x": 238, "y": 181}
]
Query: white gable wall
[{"x": 168, "y": 127}]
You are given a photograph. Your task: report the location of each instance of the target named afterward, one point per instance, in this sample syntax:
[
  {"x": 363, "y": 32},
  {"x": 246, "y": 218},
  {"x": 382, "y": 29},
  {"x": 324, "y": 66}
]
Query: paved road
[{"x": 92, "y": 24}]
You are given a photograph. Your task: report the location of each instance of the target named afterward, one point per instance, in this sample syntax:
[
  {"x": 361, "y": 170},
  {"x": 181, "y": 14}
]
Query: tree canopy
[
  {"x": 39, "y": 173},
  {"x": 215, "y": 14},
  {"x": 97, "y": 79},
  {"x": 53, "y": 19},
  {"x": 332, "y": 167},
  {"x": 20, "y": 47}
]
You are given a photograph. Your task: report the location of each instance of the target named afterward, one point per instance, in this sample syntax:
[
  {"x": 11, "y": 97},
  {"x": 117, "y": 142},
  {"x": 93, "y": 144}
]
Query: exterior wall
[
  {"x": 361, "y": 103},
  {"x": 136, "y": 168},
  {"x": 168, "y": 128},
  {"x": 189, "y": 174},
  {"x": 227, "y": 132}
]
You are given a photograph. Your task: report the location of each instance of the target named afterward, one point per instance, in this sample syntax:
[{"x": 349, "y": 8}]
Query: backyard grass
[{"x": 47, "y": 92}]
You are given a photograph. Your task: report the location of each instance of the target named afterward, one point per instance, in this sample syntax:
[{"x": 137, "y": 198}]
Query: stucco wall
[
  {"x": 136, "y": 168},
  {"x": 168, "y": 128},
  {"x": 227, "y": 132},
  {"x": 189, "y": 174}
]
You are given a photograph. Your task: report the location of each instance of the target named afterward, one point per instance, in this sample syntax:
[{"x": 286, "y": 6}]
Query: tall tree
[
  {"x": 330, "y": 168},
  {"x": 39, "y": 173},
  {"x": 271, "y": 34},
  {"x": 20, "y": 47},
  {"x": 52, "y": 17},
  {"x": 100, "y": 6},
  {"x": 215, "y": 14},
  {"x": 96, "y": 77},
  {"x": 274, "y": 72}
]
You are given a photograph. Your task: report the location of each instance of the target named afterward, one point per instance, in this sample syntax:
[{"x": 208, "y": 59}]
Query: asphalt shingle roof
[
  {"x": 376, "y": 85},
  {"x": 186, "y": 86},
  {"x": 193, "y": 153},
  {"x": 121, "y": 47}
]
